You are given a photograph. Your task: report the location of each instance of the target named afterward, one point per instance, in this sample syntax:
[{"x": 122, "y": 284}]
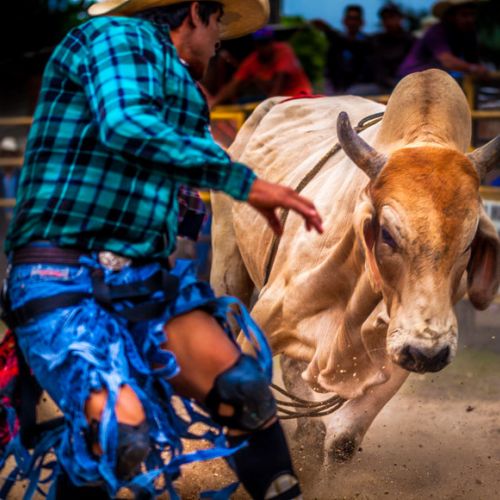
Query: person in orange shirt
[{"x": 271, "y": 69}]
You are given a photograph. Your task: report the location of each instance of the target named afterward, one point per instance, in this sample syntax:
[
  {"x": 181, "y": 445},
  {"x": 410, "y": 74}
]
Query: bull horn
[
  {"x": 359, "y": 151},
  {"x": 487, "y": 157}
]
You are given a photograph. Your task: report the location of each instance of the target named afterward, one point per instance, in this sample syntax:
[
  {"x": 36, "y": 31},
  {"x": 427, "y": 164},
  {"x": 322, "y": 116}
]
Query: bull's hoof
[{"x": 343, "y": 448}]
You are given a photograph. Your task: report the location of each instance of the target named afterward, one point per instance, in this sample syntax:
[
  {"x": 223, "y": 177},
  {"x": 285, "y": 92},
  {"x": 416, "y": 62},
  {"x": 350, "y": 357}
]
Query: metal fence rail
[{"x": 237, "y": 114}]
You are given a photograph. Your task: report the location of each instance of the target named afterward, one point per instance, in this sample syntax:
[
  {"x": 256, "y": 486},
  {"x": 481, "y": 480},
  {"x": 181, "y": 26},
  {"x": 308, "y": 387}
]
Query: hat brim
[
  {"x": 241, "y": 17},
  {"x": 440, "y": 8}
]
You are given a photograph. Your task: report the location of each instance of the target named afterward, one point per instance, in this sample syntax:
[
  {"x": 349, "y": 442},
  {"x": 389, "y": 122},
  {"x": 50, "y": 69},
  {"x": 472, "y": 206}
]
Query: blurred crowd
[
  {"x": 294, "y": 58},
  {"x": 303, "y": 58},
  {"x": 270, "y": 63}
]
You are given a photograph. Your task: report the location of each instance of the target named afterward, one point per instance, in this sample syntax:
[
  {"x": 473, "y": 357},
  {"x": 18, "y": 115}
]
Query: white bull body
[{"x": 355, "y": 308}]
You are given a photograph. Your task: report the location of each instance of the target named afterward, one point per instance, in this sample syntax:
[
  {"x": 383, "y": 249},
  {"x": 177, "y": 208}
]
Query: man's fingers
[
  {"x": 267, "y": 197},
  {"x": 299, "y": 204},
  {"x": 273, "y": 221},
  {"x": 318, "y": 225},
  {"x": 306, "y": 208}
]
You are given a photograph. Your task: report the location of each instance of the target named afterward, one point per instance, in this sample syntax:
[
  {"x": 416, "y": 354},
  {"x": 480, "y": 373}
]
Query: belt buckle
[{"x": 113, "y": 262}]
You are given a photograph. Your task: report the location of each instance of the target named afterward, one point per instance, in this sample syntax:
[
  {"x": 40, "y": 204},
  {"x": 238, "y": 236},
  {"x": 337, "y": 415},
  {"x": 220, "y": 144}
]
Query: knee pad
[
  {"x": 245, "y": 390},
  {"x": 133, "y": 448}
]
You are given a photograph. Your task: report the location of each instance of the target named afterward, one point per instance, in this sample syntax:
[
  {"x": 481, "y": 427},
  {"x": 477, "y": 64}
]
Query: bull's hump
[
  {"x": 427, "y": 107},
  {"x": 294, "y": 135}
]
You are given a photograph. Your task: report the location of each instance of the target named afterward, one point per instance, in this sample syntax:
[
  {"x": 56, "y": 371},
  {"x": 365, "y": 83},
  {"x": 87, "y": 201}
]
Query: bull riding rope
[{"x": 297, "y": 407}]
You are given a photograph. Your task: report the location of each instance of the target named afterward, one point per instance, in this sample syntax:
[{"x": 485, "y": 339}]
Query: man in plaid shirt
[{"x": 106, "y": 330}]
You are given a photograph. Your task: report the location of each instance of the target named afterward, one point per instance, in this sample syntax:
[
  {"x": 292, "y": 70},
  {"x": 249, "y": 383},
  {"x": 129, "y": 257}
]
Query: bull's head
[{"x": 426, "y": 238}]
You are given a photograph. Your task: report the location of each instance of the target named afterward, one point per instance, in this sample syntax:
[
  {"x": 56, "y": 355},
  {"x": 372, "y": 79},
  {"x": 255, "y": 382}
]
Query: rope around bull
[
  {"x": 297, "y": 407},
  {"x": 303, "y": 408}
]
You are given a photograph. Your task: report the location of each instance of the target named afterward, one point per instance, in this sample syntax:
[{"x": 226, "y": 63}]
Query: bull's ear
[
  {"x": 366, "y": 226},
  {"x": 483, "y": 271}
]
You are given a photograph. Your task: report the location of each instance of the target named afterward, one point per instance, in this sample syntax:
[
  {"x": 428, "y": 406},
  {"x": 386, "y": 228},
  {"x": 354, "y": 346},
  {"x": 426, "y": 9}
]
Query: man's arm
[
  {"x": 454, "y": 63},
  {"x": 225, "y": 93},
  {"x": 279, "y": 84},
  {"x": 125, "y": 91},
  {"x": 244, "y": 73},
  {"x": 437, "y": 42}
]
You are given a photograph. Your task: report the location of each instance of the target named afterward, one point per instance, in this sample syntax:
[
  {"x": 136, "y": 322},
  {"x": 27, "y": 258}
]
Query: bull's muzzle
[{"x": 416, "y": 360}]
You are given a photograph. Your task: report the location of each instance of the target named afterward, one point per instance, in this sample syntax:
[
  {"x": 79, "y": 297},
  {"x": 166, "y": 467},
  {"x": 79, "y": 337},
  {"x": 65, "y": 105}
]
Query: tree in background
[
  {"x": 311, "y": 46},
  {"x": 29, "y": 30},
  {"x": 489, "y": 32}
]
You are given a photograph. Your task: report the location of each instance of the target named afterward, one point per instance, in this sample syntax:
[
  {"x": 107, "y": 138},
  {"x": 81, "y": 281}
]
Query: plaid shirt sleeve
[{"x": 122, "y": 78}]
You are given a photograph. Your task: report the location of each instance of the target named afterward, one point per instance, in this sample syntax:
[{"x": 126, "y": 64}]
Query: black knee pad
[
  {"x": 133, "y": 448},
  {"x": 245, "y": 389}
]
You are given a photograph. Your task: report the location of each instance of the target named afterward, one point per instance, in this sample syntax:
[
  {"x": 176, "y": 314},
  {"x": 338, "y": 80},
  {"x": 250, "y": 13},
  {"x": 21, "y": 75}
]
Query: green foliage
[
  {"x": 489, "y": 30},
  {"x": 33, "y": 25},
  {"x": 310, "y": 45},
  {"x": 66, "y": 13}
]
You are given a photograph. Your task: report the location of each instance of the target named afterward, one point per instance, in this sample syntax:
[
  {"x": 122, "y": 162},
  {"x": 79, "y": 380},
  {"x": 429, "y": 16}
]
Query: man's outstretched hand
[{"x": 266, "y": 197}]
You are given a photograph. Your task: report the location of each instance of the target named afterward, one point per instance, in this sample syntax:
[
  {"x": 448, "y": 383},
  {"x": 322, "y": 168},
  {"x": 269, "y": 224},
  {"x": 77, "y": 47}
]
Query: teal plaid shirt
[{"x": 119, "y": 125}]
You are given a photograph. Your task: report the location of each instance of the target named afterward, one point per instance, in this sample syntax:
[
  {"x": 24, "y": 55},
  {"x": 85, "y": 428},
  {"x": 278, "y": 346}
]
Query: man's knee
[
  {"x": 241, "y": 398},
  {"x": 133, "y": 448},
  {"x": 128, "y": 407},
  {"x": 133, "y": 444}
]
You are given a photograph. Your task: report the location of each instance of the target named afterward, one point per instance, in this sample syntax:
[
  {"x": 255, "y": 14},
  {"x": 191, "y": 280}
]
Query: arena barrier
[{"x": 228, "y": 119}]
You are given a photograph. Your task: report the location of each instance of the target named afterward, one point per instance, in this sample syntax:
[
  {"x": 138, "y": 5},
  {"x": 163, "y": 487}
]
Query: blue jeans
[{"x": 75, "y": 350}]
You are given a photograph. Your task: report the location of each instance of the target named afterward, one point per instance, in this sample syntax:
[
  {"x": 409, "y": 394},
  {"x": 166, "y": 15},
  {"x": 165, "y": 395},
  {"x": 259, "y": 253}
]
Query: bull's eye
[{"x": 388, "y": 239}]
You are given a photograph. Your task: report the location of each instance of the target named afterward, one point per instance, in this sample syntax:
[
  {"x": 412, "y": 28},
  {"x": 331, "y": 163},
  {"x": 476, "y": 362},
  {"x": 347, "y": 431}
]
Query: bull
[{"x": 355, "y": 310}]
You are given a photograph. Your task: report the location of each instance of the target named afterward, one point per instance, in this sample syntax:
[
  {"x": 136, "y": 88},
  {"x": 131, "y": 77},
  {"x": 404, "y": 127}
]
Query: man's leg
[
  {"x": 234, "y": 389},
  {"x": 133, "y": 432},
  {"x": 133, "y": 442}
]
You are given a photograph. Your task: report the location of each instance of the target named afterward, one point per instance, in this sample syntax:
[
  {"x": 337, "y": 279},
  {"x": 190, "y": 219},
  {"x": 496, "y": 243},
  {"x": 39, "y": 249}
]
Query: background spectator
[
  {"x": 450, "y": 44},
  {"x": 272, "y": 69},
  {"x": 226, "y": 61},
  {"x": 389, "y": 48},
  {"x": 348, "y": 56}
]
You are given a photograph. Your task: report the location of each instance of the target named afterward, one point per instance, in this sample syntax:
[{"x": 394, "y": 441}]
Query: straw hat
[
  {"x": 441, "y": 7},
  {"x": 241, "y": 17}
]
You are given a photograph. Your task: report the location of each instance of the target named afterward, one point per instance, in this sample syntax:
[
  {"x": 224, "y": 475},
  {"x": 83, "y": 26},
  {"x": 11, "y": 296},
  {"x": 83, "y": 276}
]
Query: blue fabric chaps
[{"x": 76, "y": 350}]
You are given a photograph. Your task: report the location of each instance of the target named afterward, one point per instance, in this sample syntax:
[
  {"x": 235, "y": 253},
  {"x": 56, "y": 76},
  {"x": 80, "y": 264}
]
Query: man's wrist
[{"x": 239, "y": 181}]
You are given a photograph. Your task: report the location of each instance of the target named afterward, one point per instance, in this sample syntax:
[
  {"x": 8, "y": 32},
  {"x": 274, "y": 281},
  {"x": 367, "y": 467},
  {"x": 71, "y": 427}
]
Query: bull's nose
[{"x": 415, "y": 360}]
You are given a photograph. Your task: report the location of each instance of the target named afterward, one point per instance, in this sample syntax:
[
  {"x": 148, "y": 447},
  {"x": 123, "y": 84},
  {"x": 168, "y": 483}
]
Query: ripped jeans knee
[{"x": 132, "y": 448}]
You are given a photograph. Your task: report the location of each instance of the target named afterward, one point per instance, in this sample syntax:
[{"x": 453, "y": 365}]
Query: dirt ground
[{"x": 439, "y": 438}]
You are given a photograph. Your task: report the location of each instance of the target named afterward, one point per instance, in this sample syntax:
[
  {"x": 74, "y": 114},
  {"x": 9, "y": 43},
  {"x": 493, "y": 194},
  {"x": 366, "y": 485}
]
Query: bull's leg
[
  {"x": 310, "y": 432},
  {"x": 228, "y": 275},
  {"x": 346, "y": 427}
]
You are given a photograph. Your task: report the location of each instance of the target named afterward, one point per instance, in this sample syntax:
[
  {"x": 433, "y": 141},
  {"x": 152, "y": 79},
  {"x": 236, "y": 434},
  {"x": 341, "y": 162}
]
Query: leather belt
[
  {"x": 48, "y": 255},
  {"x": 33, "y": 254}
]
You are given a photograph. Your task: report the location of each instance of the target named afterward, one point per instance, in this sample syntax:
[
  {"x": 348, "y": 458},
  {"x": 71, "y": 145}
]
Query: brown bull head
[
  {"x": 485, "y": 158},
  {"x": 425, "y": 237}
]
